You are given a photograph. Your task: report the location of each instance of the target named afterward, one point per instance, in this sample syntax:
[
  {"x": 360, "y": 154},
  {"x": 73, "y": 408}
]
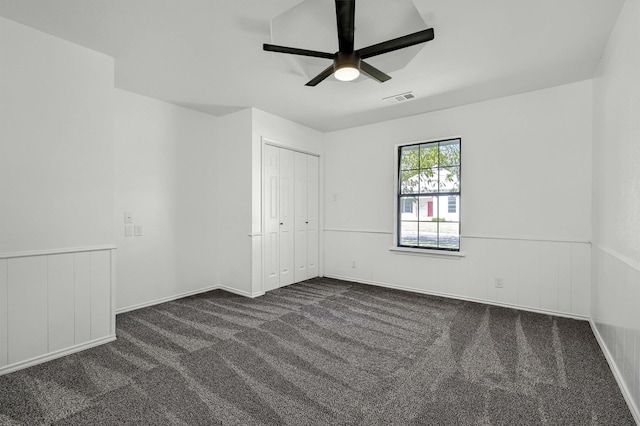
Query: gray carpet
[{"x": 325, "y": 352}]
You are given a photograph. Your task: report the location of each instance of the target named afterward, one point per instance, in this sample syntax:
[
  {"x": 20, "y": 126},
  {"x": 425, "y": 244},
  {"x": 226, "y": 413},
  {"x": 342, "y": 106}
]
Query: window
[
  {"x": 407, "y": 205},
  {"x": 429, "y": 176},
  {"x": 452, "y": 205}
]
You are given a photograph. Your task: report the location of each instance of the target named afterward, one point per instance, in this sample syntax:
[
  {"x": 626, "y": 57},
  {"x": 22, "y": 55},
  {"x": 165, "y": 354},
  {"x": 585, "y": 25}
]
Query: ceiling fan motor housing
[{"x": 346, "y": 60}]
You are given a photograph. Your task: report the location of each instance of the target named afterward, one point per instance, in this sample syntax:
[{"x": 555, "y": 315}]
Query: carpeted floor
[{"x": 325, "y": 352}]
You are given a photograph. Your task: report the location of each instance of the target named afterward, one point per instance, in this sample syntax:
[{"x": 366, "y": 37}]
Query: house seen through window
[{"x": 429, "y": 195}]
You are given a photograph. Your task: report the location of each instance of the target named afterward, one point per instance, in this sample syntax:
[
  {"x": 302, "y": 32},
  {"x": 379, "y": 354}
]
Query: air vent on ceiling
[{"x": 399, "y": 98}]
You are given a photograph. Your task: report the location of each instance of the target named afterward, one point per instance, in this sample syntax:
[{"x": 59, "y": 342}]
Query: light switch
[
  {"x": 128, "y": 231},
  {"x": 128, "y": 217},
  {"x": 138, "y": 230}
]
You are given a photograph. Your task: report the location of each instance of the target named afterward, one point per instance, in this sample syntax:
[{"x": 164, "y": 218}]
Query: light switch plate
[
  {"x": 138, "y": 230},
  {"x": 128, "y": 231},
  {"x": 128, "y": 217}
]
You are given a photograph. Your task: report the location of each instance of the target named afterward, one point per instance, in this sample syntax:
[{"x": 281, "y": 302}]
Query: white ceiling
[{"x": 207, "y": 54}]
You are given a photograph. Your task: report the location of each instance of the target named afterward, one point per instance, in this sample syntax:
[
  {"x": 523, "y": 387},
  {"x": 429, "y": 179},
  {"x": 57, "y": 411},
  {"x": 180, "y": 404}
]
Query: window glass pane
[
  {"x": 426, "y": 208},
  {"x": 449, "y": 235},
  {"x": 428, "y": 156},
  {"x": 409, "y": 233},
  {"x": 409, "y": 182},
  {"x": 450, "y": 179},
  {"x": 429, "y": 180},
  {"x": 428, "y": 234},
  {"x": 409, "y": 208},
  {"x": 445, "y": 211},
  {"x": 449, "y": 153},
  {"x": 437, "y": 209},
  {"x": 409, "y": 157}
]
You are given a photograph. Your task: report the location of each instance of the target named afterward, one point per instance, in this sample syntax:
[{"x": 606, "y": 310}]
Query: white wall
[
  {"x": 234, "y": 169},
  {"x": 56, "y": 154},
  {"x": 56, "y": 197},
  {"x": 616, "y": 201},
  {"x": 239, "y": 190},
  {"x": 285, "y": 133},
  {"x": 193, "y": 182},
  {"x": 165, "y": 174},
  {"x": 530, "y": 154}
]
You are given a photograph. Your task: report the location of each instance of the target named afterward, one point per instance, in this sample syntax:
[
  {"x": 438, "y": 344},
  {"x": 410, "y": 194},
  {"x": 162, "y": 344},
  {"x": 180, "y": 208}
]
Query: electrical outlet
[
  {"x": 499, "y": 282},
  {"x": 353, "y": 264},
  {"x": 128, "y": 231},
  {"x": 137, "y": 230}
]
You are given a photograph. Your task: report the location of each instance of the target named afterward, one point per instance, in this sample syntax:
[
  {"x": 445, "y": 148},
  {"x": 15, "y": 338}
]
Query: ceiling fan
[{"x": 348, "y": 63}]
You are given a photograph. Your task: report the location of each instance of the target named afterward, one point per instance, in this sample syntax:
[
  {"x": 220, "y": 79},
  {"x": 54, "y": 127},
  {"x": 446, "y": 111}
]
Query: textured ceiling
[{"x": 207, "y": 55}]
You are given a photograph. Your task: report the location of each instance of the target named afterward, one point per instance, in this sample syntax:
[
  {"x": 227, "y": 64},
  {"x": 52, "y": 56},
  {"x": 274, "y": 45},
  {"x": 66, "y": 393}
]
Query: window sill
[{"x": 426, "y": 252}]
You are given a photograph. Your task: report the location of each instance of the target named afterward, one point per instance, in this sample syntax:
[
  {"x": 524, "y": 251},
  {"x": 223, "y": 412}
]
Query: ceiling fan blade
[
  {"x": 396, "y": 43},
  {"x": 373, "y": 72},
  {"x": 318, "y": 78},
  {"x": 345, "y": 17},
  {"x": 296, "y": 51}
]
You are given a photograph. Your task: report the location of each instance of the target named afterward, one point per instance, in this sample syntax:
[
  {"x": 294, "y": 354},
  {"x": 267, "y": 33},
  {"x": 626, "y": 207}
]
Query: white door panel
[
  {"x": 301, "y": 216},
  {"x": 271, "y": 220},
  {"x": 312, "y": 217},
  {"x": 286, "y": 217}
]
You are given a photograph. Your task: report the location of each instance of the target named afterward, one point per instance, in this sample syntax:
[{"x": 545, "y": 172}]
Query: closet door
[
  {"x": 301, "y": 214},
  {"x": 290, "y": 217},
  {"x": 286, "y": 224},
  {"x": 312, "y": 216},
  {"x": 271, "y": 235}
]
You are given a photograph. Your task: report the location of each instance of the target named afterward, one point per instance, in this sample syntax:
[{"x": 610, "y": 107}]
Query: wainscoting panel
[
  {"x": 544, "y": 276},
  {"x": 616, "y": 318},
  {"x": 581, "y": 279},
  {"x": 53, "y": 303},
  {"x": 100, "y": 293},
  {"x": 82, "y": 284},
  {"x": 61, "y": 302},
  {"x": 564, "y": 278},
  {"x": 27, "y": 297}
]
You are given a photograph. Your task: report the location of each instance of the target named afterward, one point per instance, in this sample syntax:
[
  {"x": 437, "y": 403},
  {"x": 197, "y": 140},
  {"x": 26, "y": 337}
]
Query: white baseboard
[
  {"x": 616, "y": 372},
  {"x": 458, "y": 297},
  {"x": 187, "y": 294},
  {"x": 165, "y": 299},
  {"x": 53, "y": 355},
  {"x": 241, "y": 292}
]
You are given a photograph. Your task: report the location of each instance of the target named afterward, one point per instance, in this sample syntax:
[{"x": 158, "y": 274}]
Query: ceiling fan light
[{"x": 347, "y": 73}]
